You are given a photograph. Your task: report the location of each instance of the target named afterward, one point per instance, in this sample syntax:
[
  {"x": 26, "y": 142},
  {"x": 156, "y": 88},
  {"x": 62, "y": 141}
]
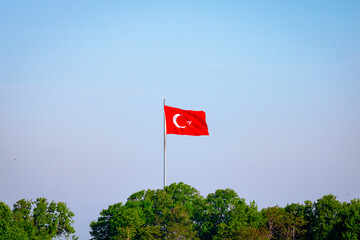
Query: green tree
[
  {"x": 306, "y": 211},
  {"x": 217, "y": 212},
  {"x": 327, "y": 218},
  {"x": 189, "y": 204},
  {"x": 178, "y": 224},
  {"x": 188, "y": 197},
  {"x": 151, "y": 214},
  {"x": 36, "y": 220},
  {"x": 5, "y": 221},
  {"x": 350, "y": 224},
  {"x": 114, "y": 223},
  {"x": 283, "y": 225},
  {"x": 227, "y": 216}
]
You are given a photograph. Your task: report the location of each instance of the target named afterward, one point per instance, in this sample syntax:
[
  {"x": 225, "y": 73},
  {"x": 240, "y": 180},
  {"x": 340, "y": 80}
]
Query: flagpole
[{"x": 164, "y": 147}]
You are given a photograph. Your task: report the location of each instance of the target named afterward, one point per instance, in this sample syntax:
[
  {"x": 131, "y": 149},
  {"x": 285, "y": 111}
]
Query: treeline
[
  {"x": 180, "y": 212},
  {"x": 36, "y": 220}
]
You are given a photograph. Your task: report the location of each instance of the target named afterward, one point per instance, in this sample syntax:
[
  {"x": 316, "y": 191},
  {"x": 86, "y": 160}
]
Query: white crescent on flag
[{"x": 175, "y": 122}]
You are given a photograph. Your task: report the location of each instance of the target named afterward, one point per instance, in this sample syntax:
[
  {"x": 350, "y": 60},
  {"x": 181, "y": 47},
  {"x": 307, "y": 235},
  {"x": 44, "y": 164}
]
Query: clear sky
[{"x": 82, "y": 85}]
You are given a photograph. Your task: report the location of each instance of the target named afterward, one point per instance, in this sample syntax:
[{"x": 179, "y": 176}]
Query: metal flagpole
[{"x": 164, "y": 147}]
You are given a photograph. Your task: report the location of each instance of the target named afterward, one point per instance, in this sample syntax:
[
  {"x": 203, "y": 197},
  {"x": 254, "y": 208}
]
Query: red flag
[{"x": 185, "y": 122}]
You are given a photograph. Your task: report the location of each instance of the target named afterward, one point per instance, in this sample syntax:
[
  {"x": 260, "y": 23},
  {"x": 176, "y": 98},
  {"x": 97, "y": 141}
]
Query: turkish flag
[{"x": 185, "y": 122}]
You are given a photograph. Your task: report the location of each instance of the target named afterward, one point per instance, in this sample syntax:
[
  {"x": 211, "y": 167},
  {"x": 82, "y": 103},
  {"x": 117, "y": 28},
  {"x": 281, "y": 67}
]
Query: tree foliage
[
  {"x": 179, "y": 212},
  {"x": 37, "y": 219},
  {"x": 151, "y": 214},
  {"x": 283, "y": 224}
]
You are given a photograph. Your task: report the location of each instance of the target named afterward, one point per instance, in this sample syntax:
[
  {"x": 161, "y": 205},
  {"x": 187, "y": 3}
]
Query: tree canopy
[
  {"x": 37, "y": 219},
  {"x": 179, "y": 212}
]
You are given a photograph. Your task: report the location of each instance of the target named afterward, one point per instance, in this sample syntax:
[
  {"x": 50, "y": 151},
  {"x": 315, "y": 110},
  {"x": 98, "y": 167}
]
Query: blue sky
[{"x": 82, "y": 86}]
